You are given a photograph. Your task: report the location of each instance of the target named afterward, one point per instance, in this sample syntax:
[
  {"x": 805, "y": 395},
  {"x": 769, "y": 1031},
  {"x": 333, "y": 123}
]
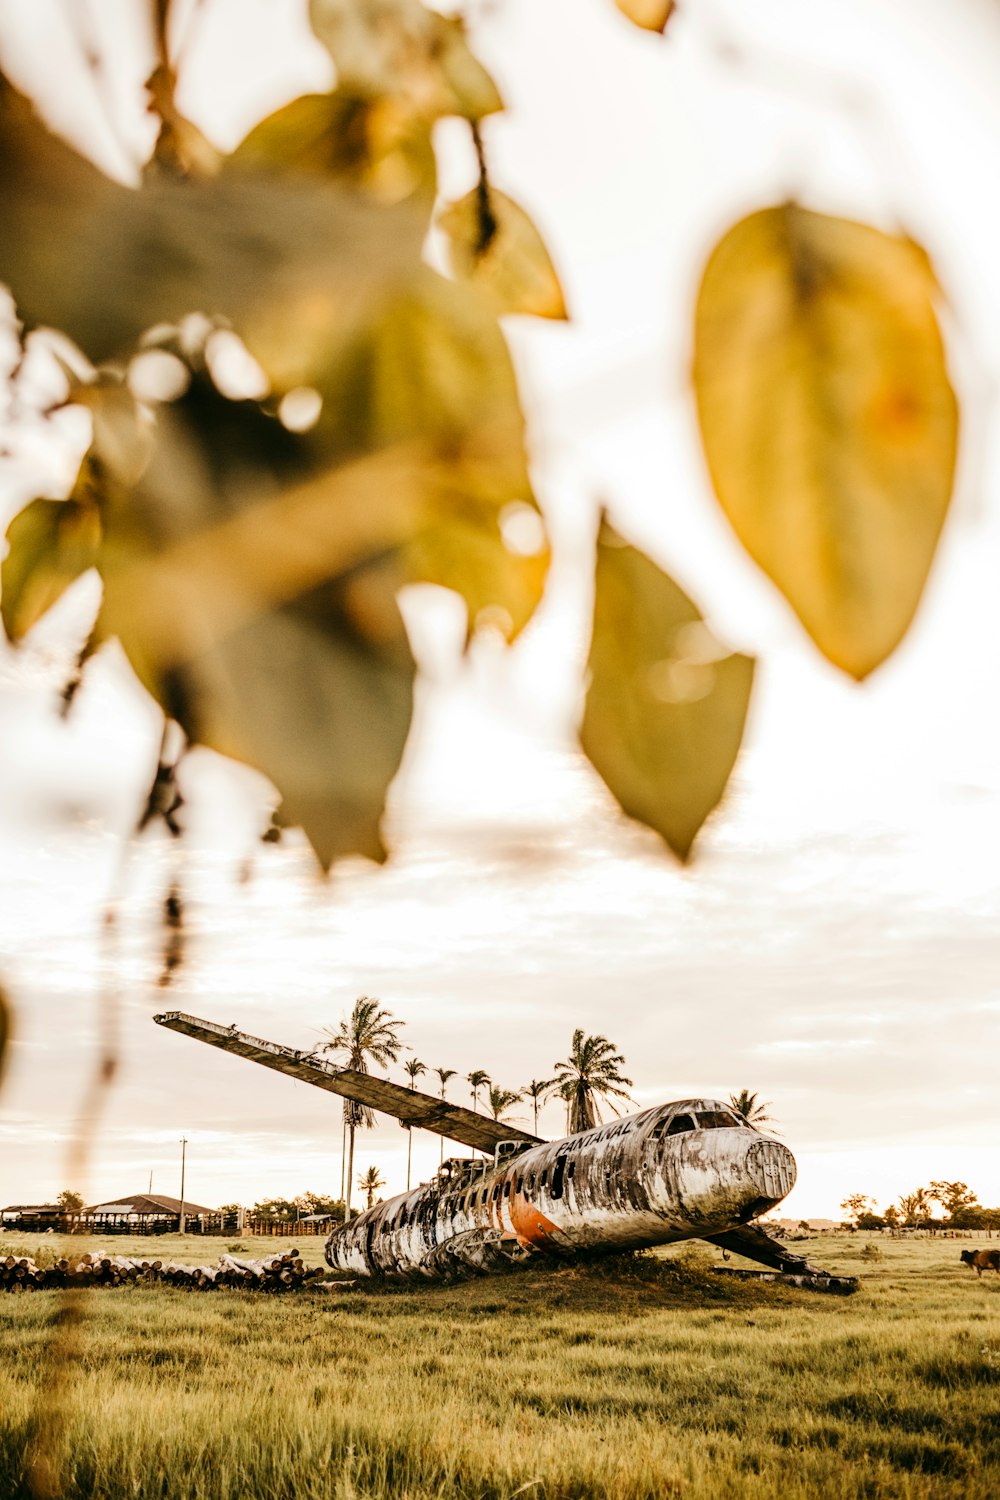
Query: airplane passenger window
[
  {"x": 520, "y": 1184},
  {"x": 680, "y": 1124}
]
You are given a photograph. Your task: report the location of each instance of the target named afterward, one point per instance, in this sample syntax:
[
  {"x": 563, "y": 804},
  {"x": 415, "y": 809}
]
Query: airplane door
[{"x": 558, "y": 1175}]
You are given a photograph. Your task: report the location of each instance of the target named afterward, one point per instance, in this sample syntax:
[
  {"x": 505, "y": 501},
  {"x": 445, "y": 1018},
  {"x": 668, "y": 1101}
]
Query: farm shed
[
  {"x": 32, "y": 1216},
  {"x": 144, "y": 1213}
]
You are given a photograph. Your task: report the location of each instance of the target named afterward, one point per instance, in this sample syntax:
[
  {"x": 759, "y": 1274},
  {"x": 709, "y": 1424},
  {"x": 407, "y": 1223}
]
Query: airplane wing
[{"x": 408, "y": 1106}]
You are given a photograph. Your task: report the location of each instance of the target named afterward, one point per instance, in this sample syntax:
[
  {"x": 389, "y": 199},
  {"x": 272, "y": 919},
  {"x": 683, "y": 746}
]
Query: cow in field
[{"x": 981, "y": 1260}]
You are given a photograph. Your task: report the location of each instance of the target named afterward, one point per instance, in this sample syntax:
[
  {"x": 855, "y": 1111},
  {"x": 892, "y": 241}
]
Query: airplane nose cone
[{"x": 772, "y": 1168}]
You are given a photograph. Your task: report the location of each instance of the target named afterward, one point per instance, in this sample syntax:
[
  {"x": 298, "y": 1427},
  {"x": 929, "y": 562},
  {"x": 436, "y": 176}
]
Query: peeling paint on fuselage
[{"x": 625, "y": 1185}]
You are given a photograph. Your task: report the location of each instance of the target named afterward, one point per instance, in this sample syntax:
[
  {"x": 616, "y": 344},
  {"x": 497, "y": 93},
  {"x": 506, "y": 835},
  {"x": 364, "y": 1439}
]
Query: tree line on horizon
[{"x": 960, "y": 1207}]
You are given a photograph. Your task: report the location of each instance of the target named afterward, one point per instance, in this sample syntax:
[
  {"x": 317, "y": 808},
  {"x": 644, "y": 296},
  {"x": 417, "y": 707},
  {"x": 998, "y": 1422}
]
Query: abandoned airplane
[{"x": 693, "y": 1169}]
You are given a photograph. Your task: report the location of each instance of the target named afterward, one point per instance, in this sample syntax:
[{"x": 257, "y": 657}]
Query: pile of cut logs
[{"x": 274, "y": 1273}]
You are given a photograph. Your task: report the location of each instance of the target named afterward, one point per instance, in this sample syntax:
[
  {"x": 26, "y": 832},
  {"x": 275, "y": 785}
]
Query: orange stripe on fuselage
[{"x": 530, "y": 1224}]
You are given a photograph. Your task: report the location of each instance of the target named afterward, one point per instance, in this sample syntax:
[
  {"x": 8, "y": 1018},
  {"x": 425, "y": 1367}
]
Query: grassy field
[{"x": 644, "y": 1379}]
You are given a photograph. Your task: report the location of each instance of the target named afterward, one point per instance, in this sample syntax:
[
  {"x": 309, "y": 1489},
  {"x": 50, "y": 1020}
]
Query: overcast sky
[{"x": 835, "y": 944}]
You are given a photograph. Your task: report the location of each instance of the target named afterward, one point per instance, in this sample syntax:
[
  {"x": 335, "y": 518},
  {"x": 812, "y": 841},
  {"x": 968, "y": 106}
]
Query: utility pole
[
  {"x": 151, "y": 1178},
  {"x": 183, "y": 1159}
]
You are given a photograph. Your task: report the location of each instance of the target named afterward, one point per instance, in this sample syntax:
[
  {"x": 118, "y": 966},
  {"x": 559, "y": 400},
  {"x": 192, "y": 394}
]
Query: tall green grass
[{"x": 632, "y": 1381}]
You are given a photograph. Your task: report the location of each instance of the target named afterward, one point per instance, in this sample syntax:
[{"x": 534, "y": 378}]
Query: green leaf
[
  {"x": 398, "y": 49},
  {"x": 291, "y": 258},
  {"x": 829, "y": 422},
  {"x": 666, "y": 704},
  {"x": 651, "y": 15},
  {"x": 52, "y": 542},
  {"x": 494, "y": 245}
]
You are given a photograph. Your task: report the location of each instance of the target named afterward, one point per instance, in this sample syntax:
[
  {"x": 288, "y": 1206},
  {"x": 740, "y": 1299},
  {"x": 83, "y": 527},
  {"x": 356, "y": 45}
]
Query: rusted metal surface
[
  {"x": 693, "y": 1169},
  {"x": 409, "y": 1106},
  {"x": 653, "y": 1178}
]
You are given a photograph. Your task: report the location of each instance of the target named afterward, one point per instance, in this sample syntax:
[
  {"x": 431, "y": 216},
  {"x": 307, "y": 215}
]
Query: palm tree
[
  {"x": 444, "y": 1074},
  {"x": 369, "y": 1183},
  {"x": 915, "y": 1206},
  {"x": 369, "y": 1034},
  {"x": 592, "y": 1072},
  {"x": 501, "y": 1100},
  {"x": 747, "y": 1107},
  {"x": 480, "y": 1079},
  {"x": 536, "y": 1091},
  {"x": 413, "y": 1068}
]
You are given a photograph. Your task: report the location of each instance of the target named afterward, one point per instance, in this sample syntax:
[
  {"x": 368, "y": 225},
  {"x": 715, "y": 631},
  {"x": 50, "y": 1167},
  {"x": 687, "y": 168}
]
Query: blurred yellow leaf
[
  {"x": 416, "y": 456},
  {"x": 666, "y": 704},
  {"x": 400, "y": 49},
  {"x": 493, "y": 244},
  {"x": 244, "y": 544},
  {"x": 317, "y": 706},
  {"x": 121, "y": 435},
  {"x": 468, "y": 555},
  {"x": 52, "y": 542},
  {"x": 374, "y": 143},
  {"x": 289, "y": 257},
  {"x": 829, "y": 422},
  {"x": 651, "y": 15},
  {"x": 227, "y": 579},
  {"x": 431, "y": 366},
  {"x": 433, "y": 371}
]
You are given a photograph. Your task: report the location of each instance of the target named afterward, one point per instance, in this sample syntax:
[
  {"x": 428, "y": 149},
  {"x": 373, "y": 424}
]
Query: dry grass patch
[{"x": 631, "y": 1380}]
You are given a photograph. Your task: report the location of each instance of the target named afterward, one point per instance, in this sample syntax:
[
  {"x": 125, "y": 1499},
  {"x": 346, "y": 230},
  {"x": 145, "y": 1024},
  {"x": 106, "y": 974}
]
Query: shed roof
[{"x": 148, "y": 1203}]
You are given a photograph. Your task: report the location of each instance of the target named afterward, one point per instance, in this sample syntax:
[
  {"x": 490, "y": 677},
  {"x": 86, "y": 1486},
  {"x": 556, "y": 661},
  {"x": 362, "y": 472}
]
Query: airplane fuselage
[{"x": 679, "y": 1171}]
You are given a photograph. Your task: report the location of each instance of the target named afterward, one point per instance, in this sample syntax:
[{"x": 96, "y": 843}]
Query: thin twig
[{"x": 488, "y": 224}]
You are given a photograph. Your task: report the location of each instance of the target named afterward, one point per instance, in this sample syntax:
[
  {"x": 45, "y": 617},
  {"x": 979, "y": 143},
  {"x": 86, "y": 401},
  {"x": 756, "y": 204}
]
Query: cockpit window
[
  {"x": 718, "y": 1119},
  {"x": 679, "y": 1124}
]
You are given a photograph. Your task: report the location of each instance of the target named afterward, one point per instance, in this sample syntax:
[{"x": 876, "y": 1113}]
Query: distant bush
[{"x": 696, "y": 1258}]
